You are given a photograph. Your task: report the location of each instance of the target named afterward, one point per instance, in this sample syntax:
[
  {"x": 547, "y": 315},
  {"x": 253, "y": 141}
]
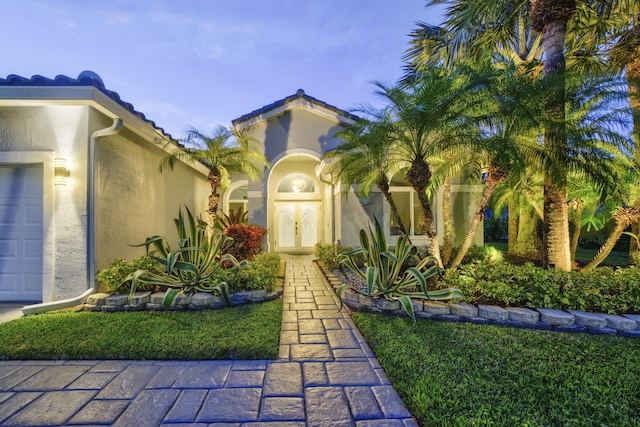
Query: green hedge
[
  {"x": 260, "y": 273},
  {"x": 605, "y": 289}
]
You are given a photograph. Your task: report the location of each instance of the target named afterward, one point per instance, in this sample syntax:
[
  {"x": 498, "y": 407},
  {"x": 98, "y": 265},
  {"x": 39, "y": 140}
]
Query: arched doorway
[{"x": 295, "y": 205}]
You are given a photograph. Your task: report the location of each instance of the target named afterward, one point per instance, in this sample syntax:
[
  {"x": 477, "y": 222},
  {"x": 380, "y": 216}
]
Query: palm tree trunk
[
  {"x": 623, "y": 218},
  {"x": 551, "y": 17},
  {"x": 633, "y": 79},
  {"x": 214, "y": 198},
  {"x": 447, "y": 244},
  {"x": 576, "y": 217},
  {"x": 492, "y": 182},
  {"x": 430, "y": 225},
  {"x": 383, "y": 185}
]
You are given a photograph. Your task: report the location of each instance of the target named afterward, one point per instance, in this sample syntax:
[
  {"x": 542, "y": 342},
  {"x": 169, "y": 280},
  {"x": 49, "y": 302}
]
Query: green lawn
[
  {"x": 246, "y": 332},
  {"x": 461, "y": 374}
]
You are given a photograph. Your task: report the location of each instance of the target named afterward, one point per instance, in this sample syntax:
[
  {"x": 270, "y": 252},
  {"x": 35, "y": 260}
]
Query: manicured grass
[
  {"x": 461, "y": 374},
  {"x": 246, "y": 332}
]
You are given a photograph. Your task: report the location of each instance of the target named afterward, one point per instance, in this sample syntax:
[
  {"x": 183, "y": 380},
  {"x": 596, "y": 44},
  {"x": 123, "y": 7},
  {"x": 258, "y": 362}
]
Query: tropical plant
[
  {"x": 223, "y": 152},
  {"x": 190, "y": 266},
  {"x": 364, "y": 158},
  {"x": 113, "y": 277},
  {"x": 223, "y": 220},
  {"x": 247, "y": 240},
  {"x": 425, "y": 118},
  {"x": 385, "y": 272}
]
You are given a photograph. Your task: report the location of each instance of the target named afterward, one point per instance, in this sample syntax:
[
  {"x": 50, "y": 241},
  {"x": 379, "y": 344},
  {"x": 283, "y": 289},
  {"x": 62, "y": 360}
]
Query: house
[
  {"x": 79, "y": 183},
  {"x": 296, "y": 200}
]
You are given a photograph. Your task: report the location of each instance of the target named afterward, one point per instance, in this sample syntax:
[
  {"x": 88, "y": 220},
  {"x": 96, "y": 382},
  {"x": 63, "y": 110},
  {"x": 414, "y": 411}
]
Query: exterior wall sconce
[{"x": 60, "y": 171}]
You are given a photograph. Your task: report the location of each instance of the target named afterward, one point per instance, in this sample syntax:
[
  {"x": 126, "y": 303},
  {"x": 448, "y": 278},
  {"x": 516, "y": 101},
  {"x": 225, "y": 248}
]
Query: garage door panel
[
  {"x": 33, "y": 215},
  {"x": 33, "y": 249},
  {"x": 10, "y": 214},
  {"x": 21, "y": 233},
  {"x": 8, "y": 283},
  {"x": 33, "y": 285},
  {"x": 8, "y": 249}
]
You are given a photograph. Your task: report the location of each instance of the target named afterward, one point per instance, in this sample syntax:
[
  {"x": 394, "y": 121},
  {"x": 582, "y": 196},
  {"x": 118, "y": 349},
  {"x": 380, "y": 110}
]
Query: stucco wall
[
  {"x": 134, "y": 200},
  {"x": 62, "y": 130},
  {"x": 293, "y": 142}
]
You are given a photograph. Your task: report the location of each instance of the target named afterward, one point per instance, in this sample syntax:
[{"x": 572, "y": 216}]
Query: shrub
[
  {"x": 602, "y": 290},
  {"x": 113, "y": 277},
  {"x": 260, "y": 273},
  {"x": 487, "y": 254},
  {"x": 329, "y": 254},
  {"x": 247, "y": 240}
]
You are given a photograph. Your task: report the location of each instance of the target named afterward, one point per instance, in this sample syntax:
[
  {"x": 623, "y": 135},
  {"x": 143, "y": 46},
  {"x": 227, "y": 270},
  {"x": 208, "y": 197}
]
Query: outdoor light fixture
[
  {"x": 298, "y": 185},
  {"x": 60, "y": 171}
]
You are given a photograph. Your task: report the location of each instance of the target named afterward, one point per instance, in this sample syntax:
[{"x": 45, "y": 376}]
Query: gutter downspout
[{"x": 92, "y": 286}]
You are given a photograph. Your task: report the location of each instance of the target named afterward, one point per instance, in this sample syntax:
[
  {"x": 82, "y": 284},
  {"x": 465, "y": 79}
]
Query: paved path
[{"x": 326, "y": 376}]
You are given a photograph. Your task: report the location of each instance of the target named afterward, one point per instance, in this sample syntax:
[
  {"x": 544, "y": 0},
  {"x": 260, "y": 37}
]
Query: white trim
[
  {"x": 45, "y": 158},
  {"x": 232, "y": 187},
  {"x": 300, "y": 103},
  {"x": 12, "y": 96}
]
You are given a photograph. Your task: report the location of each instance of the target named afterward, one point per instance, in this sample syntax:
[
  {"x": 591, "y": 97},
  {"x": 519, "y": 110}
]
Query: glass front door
[{"x": 298, "y": 226}]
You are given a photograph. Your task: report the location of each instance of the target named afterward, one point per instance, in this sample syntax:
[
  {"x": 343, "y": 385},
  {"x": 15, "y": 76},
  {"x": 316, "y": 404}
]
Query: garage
[{"x": 21, "y": 232}]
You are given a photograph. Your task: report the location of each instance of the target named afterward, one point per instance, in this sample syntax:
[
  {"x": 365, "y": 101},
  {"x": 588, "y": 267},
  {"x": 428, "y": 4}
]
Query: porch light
[
  {"x": 298, "y": 185},
  {"x": 60, "y": 171}
]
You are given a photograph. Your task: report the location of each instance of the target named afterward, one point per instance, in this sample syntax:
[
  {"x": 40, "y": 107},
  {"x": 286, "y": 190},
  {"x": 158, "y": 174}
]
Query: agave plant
[
  {"x": 385, "y": 274},
  {"x": 191, "y": 266}
]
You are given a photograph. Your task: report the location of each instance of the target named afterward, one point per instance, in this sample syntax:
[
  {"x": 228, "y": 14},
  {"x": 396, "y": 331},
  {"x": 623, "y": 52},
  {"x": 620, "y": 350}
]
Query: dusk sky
[{"x": 206, "y": 62}]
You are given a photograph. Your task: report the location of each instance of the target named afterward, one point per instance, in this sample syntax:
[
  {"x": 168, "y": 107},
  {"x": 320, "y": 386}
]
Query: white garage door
[{"x": 21, "y": 233}]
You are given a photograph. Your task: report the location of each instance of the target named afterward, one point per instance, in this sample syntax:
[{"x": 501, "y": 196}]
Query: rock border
[
  {"x": 627, "y": 325},
  {"x": 148, "y": 301}
]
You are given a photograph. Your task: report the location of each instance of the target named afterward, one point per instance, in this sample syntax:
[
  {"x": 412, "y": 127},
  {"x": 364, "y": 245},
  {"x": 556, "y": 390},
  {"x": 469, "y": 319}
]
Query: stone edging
[
  {"x": 627, "y": 325},
  {"x": 141, "y": 301}
]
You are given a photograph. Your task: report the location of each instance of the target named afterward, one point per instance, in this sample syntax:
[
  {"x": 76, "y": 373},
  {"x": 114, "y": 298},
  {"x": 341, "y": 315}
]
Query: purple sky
[{"x": 205, "y": 62}]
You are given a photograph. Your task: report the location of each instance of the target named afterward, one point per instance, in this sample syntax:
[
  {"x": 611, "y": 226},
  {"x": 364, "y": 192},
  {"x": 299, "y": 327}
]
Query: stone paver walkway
[{"x": 326, "y": 376}]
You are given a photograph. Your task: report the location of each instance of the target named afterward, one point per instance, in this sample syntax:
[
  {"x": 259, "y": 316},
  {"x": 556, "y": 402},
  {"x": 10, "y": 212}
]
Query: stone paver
[{"x": 326, "y": 376}]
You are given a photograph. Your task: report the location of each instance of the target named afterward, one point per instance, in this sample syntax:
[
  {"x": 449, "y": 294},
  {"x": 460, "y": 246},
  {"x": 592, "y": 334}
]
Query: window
[
  {"x": 409, "y": 210},
  {"x": 297, "y": 183},
  {"x": 238, "y": 199}
]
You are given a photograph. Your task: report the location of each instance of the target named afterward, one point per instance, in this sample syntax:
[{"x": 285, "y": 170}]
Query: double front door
[{"x": 297, "y": 226}]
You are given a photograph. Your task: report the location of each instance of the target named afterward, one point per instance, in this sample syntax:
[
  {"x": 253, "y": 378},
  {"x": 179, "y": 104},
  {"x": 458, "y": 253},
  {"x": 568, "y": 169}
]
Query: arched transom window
[{"x": 297, "y": 183}]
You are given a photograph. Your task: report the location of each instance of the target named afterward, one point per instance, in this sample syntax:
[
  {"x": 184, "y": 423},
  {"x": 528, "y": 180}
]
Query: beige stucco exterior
[
  {"x": 294, "y": 134},
  {"x": 131, "y": 199}
]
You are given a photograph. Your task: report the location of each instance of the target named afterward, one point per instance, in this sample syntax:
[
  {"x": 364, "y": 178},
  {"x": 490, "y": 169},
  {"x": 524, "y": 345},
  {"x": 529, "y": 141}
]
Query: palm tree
[
  {"x": 478, "y": 28},
  {"x": 508, "y": 122},
  {"x": 364, "y": 158},
  {"x": 223, "y": 152},
  {"x": 426, "y": 117}
]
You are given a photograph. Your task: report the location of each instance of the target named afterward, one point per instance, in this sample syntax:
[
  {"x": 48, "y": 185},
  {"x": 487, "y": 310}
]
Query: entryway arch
[{"x": 296, "y": 204}]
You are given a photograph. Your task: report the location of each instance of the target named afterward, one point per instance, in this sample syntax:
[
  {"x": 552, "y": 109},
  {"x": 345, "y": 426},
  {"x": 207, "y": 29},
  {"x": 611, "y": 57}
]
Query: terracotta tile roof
[
  {"x": 85, "y": 78},
  {"x": 298, "y": 95}
]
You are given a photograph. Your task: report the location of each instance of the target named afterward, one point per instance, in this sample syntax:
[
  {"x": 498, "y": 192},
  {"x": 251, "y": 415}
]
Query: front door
[{"x": 298, "y": 225}]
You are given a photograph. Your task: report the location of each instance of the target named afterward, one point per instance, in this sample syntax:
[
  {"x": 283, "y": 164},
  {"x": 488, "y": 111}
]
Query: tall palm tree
[
  {"x": 478, "y": 28},
  {"x": 364, "y": 158},
  {"x": 224, "y": 152},
  {"x": 508, "y": 122},
  {"x": 426, "y": 117}
]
